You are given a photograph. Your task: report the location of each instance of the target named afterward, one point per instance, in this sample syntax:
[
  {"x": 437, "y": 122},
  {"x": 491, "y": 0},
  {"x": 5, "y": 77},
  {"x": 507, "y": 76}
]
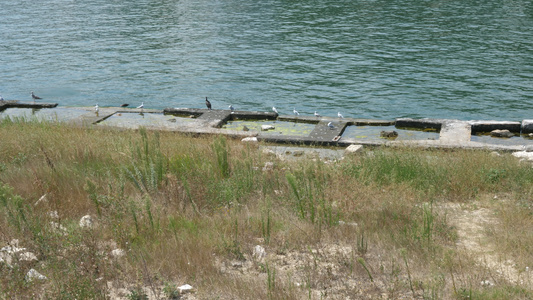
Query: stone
[
  {"x": 523, "y": 155},
  {"x": 186, "y": 288},
  {"x": 269, "y": 152},
  {"x": 267, "y": 127},
  {"x": 86, "y": 222},
  {"x": 33, "y": 274},
  {"x": 27, "y": 256},
  {"x": 353, "y": 149},
  {"x": 501, "y": 133},
  {"x": 118, "y": 253},
  {"x": 53, "y": 214},
  {"x": 269, "y": 166},
  {"x": 259, "y": 252},
  {"x": 389, "y": 134},
  {"x": 250, "y": 139},
  {"x": 527, "y": 126}
]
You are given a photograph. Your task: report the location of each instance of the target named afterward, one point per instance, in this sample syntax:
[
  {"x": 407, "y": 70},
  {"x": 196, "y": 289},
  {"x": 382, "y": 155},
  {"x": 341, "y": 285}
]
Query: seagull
[
  {"x": 124, "y": 105},
  {"x": 295, "y": 112},
  {"x": 331, "y": 126},
  {"x": 1, "y": 98},
  {"x": 275, "y": 110},
  {"x": 35, "y": 97},
  {"x": 231, "y": 108},
  {"x": 245, "y": 128},
  {"x": 141, "y": 106},
  {"x": 207, "y": 103},
  {"x": 340, "y": 115},
  {"x": 96, "y": 108},
  {"x": 317, "y": 114}
]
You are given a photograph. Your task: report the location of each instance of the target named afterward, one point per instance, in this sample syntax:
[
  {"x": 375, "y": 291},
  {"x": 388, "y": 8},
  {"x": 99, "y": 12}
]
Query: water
[{"x": 371, "y": 59}]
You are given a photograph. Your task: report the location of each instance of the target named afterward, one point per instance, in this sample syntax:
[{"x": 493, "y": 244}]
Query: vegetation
[{"x": 382, "y": 223}]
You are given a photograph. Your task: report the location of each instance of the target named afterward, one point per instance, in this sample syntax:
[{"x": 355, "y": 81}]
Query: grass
[{"x": 191, "y": 209}]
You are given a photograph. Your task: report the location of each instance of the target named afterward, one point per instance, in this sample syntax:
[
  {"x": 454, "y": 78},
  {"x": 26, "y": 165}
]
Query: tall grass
[{"x": 190, "y": 210}]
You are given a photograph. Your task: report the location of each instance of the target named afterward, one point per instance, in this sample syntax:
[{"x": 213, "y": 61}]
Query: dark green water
[{"x": 371, "y": 59}]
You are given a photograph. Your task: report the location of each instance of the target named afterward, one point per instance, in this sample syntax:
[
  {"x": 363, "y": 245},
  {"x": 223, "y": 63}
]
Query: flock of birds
[{"x": 207, "y": 103}]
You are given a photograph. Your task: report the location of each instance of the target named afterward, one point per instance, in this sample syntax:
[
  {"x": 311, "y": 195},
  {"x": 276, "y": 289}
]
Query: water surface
[{"x": 372, "y": 59}]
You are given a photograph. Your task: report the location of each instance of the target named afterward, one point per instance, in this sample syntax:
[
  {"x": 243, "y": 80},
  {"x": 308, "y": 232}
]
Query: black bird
[
  {"x": 124, "y": 105},
  {"x": 207, "y": 103}
]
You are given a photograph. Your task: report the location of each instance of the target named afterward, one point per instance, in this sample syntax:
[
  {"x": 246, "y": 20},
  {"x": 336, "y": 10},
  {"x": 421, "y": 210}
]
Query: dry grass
[{"x": 192, "y": 209}]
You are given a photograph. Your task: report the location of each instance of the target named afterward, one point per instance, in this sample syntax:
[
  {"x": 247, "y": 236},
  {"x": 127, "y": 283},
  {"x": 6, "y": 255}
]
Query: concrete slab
[
  {"x": 455, "y": 132},
  {"x": 324, "y": 133},
  {"x": 421, "y": 123},
  {"x": 527, "y": 126},
  {"x": 19, "y": 104},
  {"x": 488, "y": 126},
  {"x": 215, "y": 118}
]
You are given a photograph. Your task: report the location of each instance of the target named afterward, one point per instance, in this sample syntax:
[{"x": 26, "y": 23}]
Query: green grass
[{"x": 186, "y": 210}]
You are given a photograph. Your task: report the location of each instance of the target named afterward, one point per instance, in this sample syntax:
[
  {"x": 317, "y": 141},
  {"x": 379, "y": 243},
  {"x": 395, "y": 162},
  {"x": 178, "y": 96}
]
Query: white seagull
[
  {"x": 331, "y": 126},
  {"x": 1, "y": 98},
  {"x": 35, "y": 97},
  {"x": 96, "y": 108},
  {"x": 141, "y": 106},
  {"x": 275, "y": 110},
  {"x": 295, "y": 112},
  {"x": 340, "y": 115},
  {"x": 317, "y": 114},
  {"x": 231, "y": 108}
]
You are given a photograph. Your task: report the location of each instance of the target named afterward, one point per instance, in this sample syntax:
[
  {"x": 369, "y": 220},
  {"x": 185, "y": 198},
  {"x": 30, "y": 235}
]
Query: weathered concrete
[
  {"x": 527, "y": 126},
  {"x": 324, "y": 133},
  {"x": 421, "y": 123},
  {"x": 348, "y": 121},
  {"x": 488, "y": 126},
  {"x": 17, "y": 104},
  {"x": 455, "y": 132}
]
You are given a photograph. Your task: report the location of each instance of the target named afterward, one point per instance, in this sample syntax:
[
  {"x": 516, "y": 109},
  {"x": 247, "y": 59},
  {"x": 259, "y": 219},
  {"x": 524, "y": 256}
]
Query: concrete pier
[{"x": 450, "y": 133}]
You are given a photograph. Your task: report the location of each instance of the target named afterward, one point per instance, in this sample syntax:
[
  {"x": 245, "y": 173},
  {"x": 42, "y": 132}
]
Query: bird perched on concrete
[
  {"x": 231, "y": 108},
  {"x": 124, "y": 105},
  {"x": 330, "y": 125},
  {"x": 35, "y": 97},
  {"x": 207, "y": 103},
  {"x": 317, "y": 114},
  {"x": 141, "y": 106},
  {"x": 340, "y": 115},
  {"x": 295, "y": 112},
  {"x": 96, "y": 108},
  {"x": 1, "y": 98},
  {"x": 275, "y": 110}
]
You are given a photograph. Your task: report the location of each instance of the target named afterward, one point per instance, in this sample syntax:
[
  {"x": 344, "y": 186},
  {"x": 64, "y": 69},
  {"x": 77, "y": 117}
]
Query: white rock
[
  {"x": 118, "y": 253},
  {"x": 502, "y": 133},
  {"x": 270, "y": 152},
  {"x": 32, "y": 274},
  {"x": 86, "y": 222},
  {"x": 251, "y": 139},
  {"x": 259, "y": 252},
  {"x": 57, "y": 226},
  {"x": 53, "y": 214},
  {"x": 185, "y": 288},
  {"x": 353, "y": 149},
  {"x": 267, "y": 127},
  {"x": 27, "y": 256},
  {"x": 269, "y": 166},
  {"x": 524, "y": 155},
  {"x": 486, "y": 283}
]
